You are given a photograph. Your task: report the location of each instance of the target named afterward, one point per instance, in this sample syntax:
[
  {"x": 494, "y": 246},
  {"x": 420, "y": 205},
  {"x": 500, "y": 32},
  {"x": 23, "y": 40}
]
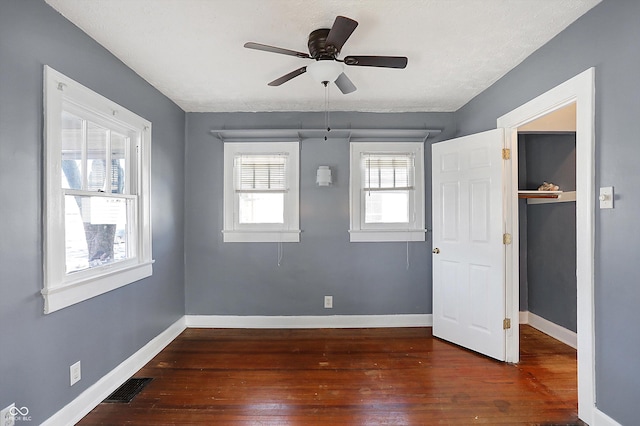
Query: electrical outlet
[
  {"x": 75, "y": 373},
  {"x": 328, "y": 302},
  {"x": 7, "y": 416}
]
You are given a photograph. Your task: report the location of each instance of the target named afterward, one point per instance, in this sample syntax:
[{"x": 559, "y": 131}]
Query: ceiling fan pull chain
[{"x": 326, "y": 107}]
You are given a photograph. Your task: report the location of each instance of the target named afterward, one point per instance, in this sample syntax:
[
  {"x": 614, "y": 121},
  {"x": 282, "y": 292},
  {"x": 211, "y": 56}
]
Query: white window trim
[
  {"x": 289, "y": 232},
  {"x": 61, "y": 289},
  {"x": 359, "y": 232}
]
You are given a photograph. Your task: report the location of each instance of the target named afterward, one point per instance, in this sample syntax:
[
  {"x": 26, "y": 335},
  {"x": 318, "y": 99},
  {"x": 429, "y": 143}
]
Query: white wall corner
[
  {"x": 601, "y": 419},
  {"x": 96, "y": 393}
]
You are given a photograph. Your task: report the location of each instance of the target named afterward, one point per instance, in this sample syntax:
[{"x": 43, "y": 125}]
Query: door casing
[{"x": 581, "y": 90}]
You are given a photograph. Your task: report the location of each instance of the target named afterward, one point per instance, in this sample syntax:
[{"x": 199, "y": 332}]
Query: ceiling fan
[{"x": 324, "y": 46}]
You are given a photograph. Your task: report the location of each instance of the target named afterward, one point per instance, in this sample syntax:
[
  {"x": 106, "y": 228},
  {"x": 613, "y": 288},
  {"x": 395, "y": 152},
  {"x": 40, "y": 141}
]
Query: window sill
[
  {"x": 60, "y": 297},
  {"x": 363, "y": 236},
  {"x": 261, "y": 236}
]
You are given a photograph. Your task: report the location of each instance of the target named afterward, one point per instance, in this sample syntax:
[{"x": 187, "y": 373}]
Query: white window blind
[
  {"x": 384, "y": 172},
  {"x": 261, "y": 173}
]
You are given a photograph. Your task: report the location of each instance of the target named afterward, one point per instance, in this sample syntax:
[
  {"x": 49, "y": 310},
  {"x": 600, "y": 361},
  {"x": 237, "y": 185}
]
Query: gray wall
[
  {"x": 36, "y": 349},
  {"x": 605, "y": 38},
  {"x": 551, "y": 230},
  {"x": 244, "y": 279}
]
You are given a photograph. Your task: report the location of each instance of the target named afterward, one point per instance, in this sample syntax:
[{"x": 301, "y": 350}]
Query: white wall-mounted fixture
[
  {"x": 323, "y": 176},
  {"x": 606, "y": 197}
]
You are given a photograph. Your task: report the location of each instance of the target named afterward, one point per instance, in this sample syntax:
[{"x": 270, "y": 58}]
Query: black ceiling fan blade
[
  {"x": 273, "y": 49},
  {"x": 340, "y": 32},
  {"x": 377, "y": 61},
  {"x": 287, "y": 77},
  {"x": 344, "y": 84}
]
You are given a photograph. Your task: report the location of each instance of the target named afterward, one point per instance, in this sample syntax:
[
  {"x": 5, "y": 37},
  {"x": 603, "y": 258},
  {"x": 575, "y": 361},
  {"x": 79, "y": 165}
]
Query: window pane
[
  {"x": 386, "y": 206},
  {"x": 71, "y": 151},
  {"x": 96, "y": 156},
  {"x": 256, "y": 207},
  {"x": 118, "y": 163},
  {"x": 97, "y": 231}
]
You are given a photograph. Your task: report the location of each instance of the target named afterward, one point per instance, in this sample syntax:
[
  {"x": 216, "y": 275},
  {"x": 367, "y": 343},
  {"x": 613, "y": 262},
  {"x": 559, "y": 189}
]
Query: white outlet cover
[
  {"x": 328, "y": 302},
  {"x": 75, "y": 373}
]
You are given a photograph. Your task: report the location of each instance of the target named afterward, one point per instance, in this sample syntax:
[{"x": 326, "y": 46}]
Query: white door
[{"x": 468, "y": 250}]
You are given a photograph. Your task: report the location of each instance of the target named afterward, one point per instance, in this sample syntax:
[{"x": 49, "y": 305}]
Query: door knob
[{"x": 436, "y": 250}]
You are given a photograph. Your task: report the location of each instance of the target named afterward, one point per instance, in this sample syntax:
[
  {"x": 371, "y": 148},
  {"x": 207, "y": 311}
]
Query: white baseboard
[
  {"x": 554, "y": 330},
  {"x": 601, "y": 419},
  {"x": 524, "y": 317},
  {"x": 94, "y": 395},
  {"x": 307, "y": 321}
]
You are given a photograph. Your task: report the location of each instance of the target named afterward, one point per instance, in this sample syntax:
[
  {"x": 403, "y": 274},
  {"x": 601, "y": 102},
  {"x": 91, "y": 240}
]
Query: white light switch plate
[{"x": 606, "y": 197}]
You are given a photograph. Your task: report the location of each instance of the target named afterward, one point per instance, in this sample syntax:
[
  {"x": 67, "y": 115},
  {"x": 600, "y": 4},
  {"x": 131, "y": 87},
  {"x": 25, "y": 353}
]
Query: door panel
[{"x": 468, "y": 223}]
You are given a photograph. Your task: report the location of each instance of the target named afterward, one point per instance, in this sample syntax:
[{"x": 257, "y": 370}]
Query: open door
[{"x": 468, "y": 247}]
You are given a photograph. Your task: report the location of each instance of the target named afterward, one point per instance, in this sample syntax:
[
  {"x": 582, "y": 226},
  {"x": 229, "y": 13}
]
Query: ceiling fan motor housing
[{"x": 318, "y": 48}]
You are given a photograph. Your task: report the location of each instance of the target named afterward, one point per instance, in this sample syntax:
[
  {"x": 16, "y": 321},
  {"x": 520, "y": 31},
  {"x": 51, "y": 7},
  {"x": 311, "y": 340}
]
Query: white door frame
[{"x": 581, "y": 90}]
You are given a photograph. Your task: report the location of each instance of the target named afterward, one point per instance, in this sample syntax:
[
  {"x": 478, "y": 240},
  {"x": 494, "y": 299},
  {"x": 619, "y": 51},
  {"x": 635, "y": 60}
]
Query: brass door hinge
[
  {"x": 506, "y": 154},
  {"x": 506, "y": 324},
  {"x": 506, "y": 239}
]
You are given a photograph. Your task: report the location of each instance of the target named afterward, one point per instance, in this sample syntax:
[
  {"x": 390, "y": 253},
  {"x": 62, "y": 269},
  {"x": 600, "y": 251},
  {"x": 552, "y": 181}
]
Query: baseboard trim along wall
[
  {"x": 326, "y": 321},
  {"x": 96, "y": 393},
  {"x": 554, "y": 330}
]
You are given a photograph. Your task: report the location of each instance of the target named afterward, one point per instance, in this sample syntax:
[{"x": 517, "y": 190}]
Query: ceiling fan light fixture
[{"x": 325, "y": 70}]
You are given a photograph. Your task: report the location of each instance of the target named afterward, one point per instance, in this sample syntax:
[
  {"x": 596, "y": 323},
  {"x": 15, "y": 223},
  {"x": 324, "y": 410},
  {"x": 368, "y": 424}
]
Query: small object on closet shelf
[{"x": 548, "y": 186}]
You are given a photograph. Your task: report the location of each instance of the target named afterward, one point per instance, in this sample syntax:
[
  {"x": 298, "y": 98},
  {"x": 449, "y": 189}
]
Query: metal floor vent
[{"x": 128, "y": 390}]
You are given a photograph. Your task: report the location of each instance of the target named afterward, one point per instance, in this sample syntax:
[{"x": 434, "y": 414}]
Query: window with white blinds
[
  {"x": 261, "y": 173},
  {"x": 383, "y": 172},
  {"x": 261, "y": 192},
  {"x": 387, "y": 191}
]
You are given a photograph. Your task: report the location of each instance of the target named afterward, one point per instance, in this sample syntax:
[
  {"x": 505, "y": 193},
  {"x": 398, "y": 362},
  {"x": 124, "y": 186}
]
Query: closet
[{"x": 547, "y": 226}]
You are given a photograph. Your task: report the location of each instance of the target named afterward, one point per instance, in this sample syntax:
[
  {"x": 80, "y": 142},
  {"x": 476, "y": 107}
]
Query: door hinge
[
  {"x": 506, "y": 154},
  {"x": 506, "y": 239},
  {"x": 506, "y": 324}
]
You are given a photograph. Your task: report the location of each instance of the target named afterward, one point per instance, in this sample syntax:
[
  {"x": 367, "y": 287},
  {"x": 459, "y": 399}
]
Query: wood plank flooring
[{"x": 392, "y": 376}]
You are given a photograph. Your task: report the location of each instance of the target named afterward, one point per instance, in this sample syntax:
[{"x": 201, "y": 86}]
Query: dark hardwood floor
[{"x": 393, "y": 376}]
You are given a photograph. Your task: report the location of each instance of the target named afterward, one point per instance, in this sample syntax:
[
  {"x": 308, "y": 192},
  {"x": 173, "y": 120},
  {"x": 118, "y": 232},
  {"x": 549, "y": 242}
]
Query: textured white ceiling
[{"x": 192, "y": 50}]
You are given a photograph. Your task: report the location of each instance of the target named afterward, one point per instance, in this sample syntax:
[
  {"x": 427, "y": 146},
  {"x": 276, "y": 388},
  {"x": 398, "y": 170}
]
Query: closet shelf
[{"x": 544, "y": 197}]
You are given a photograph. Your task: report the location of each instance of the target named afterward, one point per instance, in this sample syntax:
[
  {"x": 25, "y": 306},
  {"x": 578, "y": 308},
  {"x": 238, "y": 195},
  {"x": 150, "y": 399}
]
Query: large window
[
  {"x": 387, "y": 191},
  {"x": 97, "y": 171},
  {"x": 261, "y": 192}
]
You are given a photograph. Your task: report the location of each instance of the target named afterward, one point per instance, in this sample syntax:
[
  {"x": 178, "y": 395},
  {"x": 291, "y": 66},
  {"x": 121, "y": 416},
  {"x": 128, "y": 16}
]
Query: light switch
[{"x": 606, "y": 197}]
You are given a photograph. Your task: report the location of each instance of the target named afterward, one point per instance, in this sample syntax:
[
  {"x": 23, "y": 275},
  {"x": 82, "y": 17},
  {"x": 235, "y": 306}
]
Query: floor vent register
[{"x": 128, "y": 390}]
